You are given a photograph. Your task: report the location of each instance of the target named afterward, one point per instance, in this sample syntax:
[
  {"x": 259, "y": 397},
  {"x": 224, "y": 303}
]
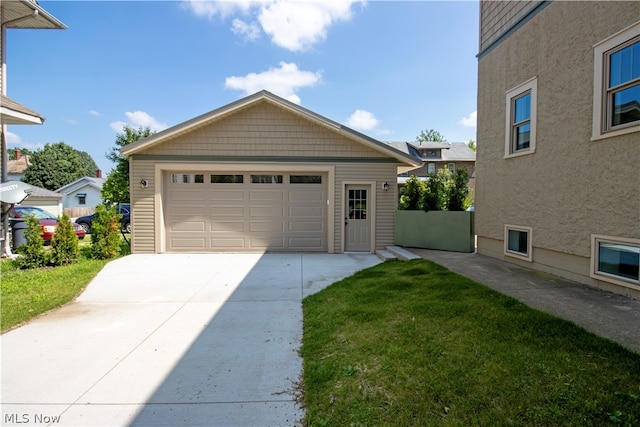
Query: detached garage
[{"x": 263, "y": 174}]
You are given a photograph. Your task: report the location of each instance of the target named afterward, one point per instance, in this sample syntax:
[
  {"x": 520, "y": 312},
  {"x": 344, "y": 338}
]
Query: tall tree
[
  {"x": 430, "y": 136},
  {"x": 116, "y": 186},
  {"x": 472, "y": 144},
  {"x": 56, "y": 165}
]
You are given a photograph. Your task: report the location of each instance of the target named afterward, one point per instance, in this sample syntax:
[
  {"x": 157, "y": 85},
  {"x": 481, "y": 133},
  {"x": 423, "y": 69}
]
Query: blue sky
[{"x": 388, "y": 69}]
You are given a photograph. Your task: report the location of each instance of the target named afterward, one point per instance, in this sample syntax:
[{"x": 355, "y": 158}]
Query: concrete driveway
[{"x": 167, "y": 340}]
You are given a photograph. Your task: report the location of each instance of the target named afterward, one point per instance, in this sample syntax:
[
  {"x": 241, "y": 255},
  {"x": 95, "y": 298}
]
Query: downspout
[{"x": 6, "y": 249}]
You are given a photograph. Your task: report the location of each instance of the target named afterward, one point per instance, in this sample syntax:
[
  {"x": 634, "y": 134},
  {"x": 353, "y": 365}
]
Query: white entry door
[{"x": 358, "y": 219}]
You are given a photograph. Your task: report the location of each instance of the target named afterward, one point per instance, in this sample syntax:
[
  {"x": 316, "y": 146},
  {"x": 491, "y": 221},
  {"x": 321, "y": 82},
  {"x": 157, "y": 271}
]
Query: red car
[{"x": 47, "y": 221}]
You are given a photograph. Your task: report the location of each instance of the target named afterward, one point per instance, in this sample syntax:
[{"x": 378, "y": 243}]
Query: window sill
[
  {"x": 519, "y": 256},
  {"x": 519, "y": 154},
  {"x": 616, "y": 280},
  {"x": 614, "y": 133}
]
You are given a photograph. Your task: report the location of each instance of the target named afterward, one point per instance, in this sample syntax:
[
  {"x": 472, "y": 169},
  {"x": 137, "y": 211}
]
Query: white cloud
[
  {"x": 13, "y": 139},
  {"x": 250, "y": 31},
  {"x": 292, "y": 24},
  {"x": 469, "y": 121},
  {"x": 139, "y": 119},
  {"x": 283, "y": 81},
  {"x": 95, "y": 113},
  {"x": 362, "y": 120}
]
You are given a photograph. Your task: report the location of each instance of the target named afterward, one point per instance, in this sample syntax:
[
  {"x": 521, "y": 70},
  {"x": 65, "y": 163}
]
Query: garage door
[{"x": 209, "y": 211}]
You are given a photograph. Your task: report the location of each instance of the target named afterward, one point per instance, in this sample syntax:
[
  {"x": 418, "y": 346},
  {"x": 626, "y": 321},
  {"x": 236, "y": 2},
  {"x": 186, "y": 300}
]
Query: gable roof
[
  {"x": 265, "y": 96},
  {"x": 90, "y": 181},
  {"x": 459, "y": 151},
  {"x": 20, "y": 165},
  {"x": 449, "y": 151}
]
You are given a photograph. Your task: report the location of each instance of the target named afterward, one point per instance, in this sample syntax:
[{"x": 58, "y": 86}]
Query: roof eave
[
  {"x": 268, "y": 96},
  {"x": 35, "y": 17}
]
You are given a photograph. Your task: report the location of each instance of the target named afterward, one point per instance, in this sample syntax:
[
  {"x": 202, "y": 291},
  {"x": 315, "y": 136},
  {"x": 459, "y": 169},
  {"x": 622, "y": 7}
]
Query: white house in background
[
  {"x": 83, "y": 192},
  {"x": 45, "y": 199}
]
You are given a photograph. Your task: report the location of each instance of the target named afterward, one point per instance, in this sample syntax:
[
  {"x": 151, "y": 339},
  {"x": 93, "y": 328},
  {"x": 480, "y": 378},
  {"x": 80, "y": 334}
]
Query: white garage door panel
[
  {"x": 227, "y": 226},
  {"x": 244, "y": 216},
  {"x": 227, "y": 211},
  {"x": 226, "y": 195}
]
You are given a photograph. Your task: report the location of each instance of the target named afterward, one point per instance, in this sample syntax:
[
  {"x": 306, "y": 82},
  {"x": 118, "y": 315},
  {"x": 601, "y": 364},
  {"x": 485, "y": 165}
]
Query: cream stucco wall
[
  {"x": 263, "y": 137},
  {"x": 571, "y": 187}
]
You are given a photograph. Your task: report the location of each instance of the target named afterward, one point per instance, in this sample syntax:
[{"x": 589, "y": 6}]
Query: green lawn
[
  {"x": 409, "y": 343},
  {"x": 28, "y": 293}
]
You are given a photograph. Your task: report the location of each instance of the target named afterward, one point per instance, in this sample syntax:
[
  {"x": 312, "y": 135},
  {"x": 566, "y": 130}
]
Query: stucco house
[
  {"x": 263, "y": 174},
  {"x": 557, "y": 186},
  {"x": 81, "y": 196}
]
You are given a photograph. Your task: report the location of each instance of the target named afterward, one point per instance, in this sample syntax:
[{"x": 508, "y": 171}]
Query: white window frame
[
  {"x": 596, "y": 240},
  {"x": 531, "y": 87},
  {"x": 601, "y": 53},
  {"x": 431, "y": 168},
  {"x": 529, "y": 255},
  {"x": 451, "y": 167}
]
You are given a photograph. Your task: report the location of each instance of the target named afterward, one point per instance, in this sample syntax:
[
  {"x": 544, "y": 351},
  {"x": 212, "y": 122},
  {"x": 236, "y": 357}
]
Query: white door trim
[
  {"x": 372, "y": 210},
  {"x": 161, "y": 168}
]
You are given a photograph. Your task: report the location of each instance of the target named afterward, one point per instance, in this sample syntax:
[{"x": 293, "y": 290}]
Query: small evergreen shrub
[
  {"x": 32, "y": 252},
  {"x": 64, "y": 244},
  {"x": 105, "y": 241},
  {"x": 457, "y": 190},
  {"x": 412, "y": 195}
]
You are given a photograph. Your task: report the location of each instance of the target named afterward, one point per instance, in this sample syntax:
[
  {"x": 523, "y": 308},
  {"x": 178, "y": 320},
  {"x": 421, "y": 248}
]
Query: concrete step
[
  {"x": 402, "y": 253},
  {"x": 385, "y": 255}
]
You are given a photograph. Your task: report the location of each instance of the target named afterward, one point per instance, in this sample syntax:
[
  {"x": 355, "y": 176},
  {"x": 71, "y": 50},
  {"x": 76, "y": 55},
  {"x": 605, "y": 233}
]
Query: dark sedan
[{"x": 86, "y": 222}]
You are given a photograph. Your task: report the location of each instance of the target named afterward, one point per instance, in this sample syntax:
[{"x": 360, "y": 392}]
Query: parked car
[
  {"x": 48, "y": 222},
  {"x": 86, "y": 222}
]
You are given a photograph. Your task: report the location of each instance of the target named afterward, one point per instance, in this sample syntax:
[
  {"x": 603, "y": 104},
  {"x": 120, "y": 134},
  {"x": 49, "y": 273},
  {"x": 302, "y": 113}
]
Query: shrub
[
  {"x": 457, "y": 190},
  {"x": 435, "y": 195},
  {"x": 105, "y": 241},
  {"x": 412, "y": 194},
  {"x": 64, "y": 244},
  {"x": 32, "y": 252}
]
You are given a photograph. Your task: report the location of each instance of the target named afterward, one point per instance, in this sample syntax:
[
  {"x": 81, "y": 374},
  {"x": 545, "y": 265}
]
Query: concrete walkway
[
  {"x": 171, "y": 340},
  {"x": 603, "y": 313}
]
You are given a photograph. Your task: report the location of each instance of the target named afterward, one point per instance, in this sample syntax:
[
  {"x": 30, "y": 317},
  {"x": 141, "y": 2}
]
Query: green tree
[
  {"x": 412, "y": 194},
  {"x": 57, "y": 165},
  {"x": 32, "y": 252},
  {"x": 64, "y": 244},
  {"x": 116, "y": 186},
  {"x": 105, "y": 241},
  {"x": 472, "y": 144},
  {"x": 430, "y": 136}
]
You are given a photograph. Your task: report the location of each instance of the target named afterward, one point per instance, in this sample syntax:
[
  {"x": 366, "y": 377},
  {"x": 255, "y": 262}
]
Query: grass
[
  {"x": 29, "y": 293},
  {"x": 409, "y": 343}
]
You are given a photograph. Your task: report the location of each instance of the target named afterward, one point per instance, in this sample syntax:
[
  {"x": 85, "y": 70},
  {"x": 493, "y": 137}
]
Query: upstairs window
[
  {"x": 520, "y": 136},
  {"x": 616, "y": 107}
]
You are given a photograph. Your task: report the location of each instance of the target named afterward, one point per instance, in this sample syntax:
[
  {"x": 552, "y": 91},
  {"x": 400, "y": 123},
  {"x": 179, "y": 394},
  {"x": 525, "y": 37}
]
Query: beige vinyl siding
[
  {"x": 263, "y": 130},
  {"x": 142, "y": 206},
  {"x": 386, "y": 201}
]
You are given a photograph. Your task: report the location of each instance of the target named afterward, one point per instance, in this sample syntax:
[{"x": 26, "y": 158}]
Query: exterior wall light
[
  {"x": 385, "y": 186},
  {"x": 144, "y": 183}
]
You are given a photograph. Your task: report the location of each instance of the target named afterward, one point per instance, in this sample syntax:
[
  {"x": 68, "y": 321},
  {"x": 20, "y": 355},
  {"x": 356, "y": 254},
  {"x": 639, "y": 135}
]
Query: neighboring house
[
  {"x": 438, "y": 155},
  {"x": 82, "y": 195},
  {"x": 17, "y": 167},
  {"x": 42, "y": 198},
  {"x": 558, "y": 187},
  {"x": 263, "y": 174},
  {"x": 20, "y": 14}
]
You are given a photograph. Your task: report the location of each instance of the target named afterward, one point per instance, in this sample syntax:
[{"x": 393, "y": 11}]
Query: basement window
[
  {"x": 517, "y": 242},
  {"x": 615, "y": 259}
]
